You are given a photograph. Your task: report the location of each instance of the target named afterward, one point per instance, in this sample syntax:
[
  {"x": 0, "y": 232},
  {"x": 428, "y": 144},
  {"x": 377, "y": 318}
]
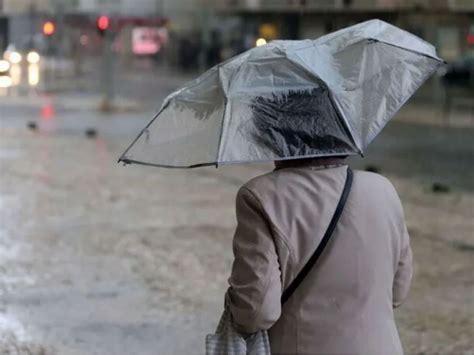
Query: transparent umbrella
[{"x": 289, "y": 99}]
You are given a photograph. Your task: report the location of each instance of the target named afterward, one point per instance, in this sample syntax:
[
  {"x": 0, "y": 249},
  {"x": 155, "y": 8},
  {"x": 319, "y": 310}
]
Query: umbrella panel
[
  {"x": 284, "y": 124},
  {"x": 187, "y": 130}
]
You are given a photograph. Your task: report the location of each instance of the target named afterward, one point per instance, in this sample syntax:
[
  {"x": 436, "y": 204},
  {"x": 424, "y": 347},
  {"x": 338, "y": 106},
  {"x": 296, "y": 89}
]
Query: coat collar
[{"x": 314, "y": 164}]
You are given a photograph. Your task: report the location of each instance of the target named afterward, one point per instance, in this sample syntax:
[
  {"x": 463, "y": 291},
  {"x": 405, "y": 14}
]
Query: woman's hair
[{"x": 299, "y": 123}]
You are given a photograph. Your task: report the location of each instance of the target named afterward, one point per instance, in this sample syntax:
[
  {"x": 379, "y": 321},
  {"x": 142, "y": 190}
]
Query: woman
[
  {"x": 295, "y": 100},
  {"x": 345, "y": 304}
]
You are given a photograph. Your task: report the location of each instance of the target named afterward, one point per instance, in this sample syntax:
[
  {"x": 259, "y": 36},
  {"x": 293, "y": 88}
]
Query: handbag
[{"x": 227, "y": 341}]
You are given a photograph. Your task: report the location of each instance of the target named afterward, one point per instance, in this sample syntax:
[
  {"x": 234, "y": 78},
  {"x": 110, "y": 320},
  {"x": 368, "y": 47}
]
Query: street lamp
[
  {"x": 4, "y": 67},
  {"x": 33, "y": 57},
  {"x": 261, "y": 42}
]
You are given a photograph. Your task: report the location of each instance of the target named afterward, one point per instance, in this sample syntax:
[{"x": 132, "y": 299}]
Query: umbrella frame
[{"x": 334, "y": 102}]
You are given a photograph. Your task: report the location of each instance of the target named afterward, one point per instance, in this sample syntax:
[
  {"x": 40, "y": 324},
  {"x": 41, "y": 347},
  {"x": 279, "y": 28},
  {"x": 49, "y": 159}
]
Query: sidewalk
[{"x": 435, "y": 114}]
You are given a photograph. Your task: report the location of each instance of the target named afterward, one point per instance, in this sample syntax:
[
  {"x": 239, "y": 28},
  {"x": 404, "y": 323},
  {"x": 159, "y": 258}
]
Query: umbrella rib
[
  {"x": 131, "y": 161},
  {"x": 221, "y": 134},
  {"x": 195, "y": 82},
  {"x": 223, "y": 119},
  {"x": 408, "y": 50},
  {"x": 122, "y": 157},
  {"x": 335, "y": 103}
]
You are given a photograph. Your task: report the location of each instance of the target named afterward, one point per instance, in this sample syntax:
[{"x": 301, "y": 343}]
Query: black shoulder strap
[{"x": 319, "y": 250}]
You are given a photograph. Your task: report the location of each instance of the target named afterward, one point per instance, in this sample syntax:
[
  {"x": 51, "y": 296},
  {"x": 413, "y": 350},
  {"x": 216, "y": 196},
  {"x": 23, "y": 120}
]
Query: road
[{"x": 97, "y": 258}]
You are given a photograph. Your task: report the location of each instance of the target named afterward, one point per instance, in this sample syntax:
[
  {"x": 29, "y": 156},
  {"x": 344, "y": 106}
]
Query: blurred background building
[
  {"x": 194, "y": 35},
  {"x": 234, "y": 25},
  {"x": 448, "y": 24}
]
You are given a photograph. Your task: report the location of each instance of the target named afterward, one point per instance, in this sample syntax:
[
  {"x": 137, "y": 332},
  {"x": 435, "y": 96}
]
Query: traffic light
[
  {"x": 103, "y": 23},
  {"x": 49, "y": 27}
]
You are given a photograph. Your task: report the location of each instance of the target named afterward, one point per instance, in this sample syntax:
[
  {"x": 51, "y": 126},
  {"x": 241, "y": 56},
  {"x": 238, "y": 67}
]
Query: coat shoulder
[
  {"x": 259, "y": 185},
  {"x": 273, "y": 183},
  {"x": 374, "y": 181},
  {"x": 379, "y": 188}
]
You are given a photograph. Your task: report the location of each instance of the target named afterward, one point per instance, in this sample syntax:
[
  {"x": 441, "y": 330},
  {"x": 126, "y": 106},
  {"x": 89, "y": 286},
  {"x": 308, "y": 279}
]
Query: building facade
[
  {"x": 448, "y": 24},
  {"x": 21, "y": 19},
  {"x": 19, "y": 7}
]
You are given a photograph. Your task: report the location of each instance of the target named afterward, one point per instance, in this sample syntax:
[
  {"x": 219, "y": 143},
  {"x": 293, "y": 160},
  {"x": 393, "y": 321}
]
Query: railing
[
  {"x": 376, "y": 4},
  {"x": 342, "y": 5},
  {"x": 275, "y": 5},
  {"x": 453, "y": 5},
  {"x": 288, "y": 5},
  {"x": 461, "y": 5}
]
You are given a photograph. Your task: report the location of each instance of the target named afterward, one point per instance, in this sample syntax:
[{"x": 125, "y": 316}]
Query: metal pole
[
  {"x": 32, "y": 17},
  {"x": 107, "y": 73},
  {"x": 160, "y": 7},
  {"x": 205, "y": 30},
  {"x": 48, "y": 71}
]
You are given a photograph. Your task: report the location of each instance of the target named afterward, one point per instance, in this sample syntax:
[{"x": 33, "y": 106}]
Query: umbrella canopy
[{"x": 290, "y": 99}]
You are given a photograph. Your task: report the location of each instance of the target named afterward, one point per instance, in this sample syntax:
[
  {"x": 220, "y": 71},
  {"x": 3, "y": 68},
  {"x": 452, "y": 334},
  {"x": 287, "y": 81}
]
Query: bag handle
[{"x": 319, "y": 250}]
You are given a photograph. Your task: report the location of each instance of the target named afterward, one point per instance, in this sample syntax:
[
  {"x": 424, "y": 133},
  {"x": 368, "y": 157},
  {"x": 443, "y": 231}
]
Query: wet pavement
[{"x": 97, "y": 258}]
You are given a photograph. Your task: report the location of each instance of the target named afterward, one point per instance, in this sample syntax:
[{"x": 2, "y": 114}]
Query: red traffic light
[
  {"x": 49, "y": 28},
  {"x": 103, "y": 23},
  {"x": 470, "y": 39}
]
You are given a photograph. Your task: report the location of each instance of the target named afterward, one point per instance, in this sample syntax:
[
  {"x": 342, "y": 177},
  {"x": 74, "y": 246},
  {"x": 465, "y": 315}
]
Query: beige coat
[{"x": 345, "y": 305}]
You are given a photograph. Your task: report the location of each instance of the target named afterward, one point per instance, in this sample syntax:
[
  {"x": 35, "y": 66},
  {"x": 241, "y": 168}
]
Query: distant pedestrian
[{"x": 214, "y": 51}]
